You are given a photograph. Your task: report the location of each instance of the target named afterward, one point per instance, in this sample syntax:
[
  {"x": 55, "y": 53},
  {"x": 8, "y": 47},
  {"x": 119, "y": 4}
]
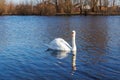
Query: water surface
[{"x": 23, "y": 54}]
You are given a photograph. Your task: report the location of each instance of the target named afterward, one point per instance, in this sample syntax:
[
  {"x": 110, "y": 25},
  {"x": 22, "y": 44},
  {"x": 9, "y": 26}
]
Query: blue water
[{"x": 23, "y": 54}]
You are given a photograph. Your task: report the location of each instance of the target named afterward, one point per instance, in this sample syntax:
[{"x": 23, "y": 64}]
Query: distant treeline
[{"x": 61, "y": 7}]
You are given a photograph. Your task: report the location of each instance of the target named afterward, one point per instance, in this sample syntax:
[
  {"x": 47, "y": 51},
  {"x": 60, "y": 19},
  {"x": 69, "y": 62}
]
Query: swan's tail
[{"x": 48, "y": 49}]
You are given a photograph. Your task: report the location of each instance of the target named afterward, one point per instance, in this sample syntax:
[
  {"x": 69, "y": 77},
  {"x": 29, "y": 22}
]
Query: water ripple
[{"x": 23, "y": 54}]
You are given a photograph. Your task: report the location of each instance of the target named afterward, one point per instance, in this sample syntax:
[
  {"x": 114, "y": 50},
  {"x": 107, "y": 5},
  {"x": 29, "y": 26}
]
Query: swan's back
[{"x": 59, "y": 44}]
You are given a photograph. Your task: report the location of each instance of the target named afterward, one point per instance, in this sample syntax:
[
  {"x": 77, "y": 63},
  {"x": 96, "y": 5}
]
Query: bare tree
[
  {"x": 100, "y": 5},
  {"x": 51, "y": 7},
  {"x": 10, "y": 8},
  {"x": 113, "y": 3},
  {"x": 2, "y": 6},
  {"x": 94, "y": 4},
  {"x": 68, "y": 6},
  {"x": 81, "y": 3}
]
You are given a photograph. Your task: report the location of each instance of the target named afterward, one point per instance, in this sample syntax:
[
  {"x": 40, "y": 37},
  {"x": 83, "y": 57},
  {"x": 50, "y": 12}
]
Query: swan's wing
[
  {"x": 55, "y": 44},
  {"x": 66, "y": 44},
  {"x": 59, "y": 44}
]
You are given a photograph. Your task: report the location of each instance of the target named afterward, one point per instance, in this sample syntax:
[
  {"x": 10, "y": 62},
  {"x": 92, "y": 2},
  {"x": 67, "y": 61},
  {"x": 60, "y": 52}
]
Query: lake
[{"x": 24, "y": 55}]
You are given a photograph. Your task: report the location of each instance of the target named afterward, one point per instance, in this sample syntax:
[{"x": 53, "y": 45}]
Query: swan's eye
[{"x": 72, "y": 33}]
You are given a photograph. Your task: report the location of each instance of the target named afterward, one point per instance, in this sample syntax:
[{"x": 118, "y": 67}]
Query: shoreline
[
  {"x": 88, "y": 14},
  {"x": 69, "y": 14}
]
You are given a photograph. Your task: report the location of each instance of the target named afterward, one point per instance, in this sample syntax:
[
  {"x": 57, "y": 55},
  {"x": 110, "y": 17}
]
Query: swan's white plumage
[
  {"x": 62, "y": 45},
  {"x": 59, "y": 44}
]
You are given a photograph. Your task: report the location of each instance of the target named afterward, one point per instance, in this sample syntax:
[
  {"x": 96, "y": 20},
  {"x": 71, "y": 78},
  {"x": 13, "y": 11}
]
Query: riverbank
[
  {"x": 90, "y": 13},
  {"x": 70, "y": 14}
]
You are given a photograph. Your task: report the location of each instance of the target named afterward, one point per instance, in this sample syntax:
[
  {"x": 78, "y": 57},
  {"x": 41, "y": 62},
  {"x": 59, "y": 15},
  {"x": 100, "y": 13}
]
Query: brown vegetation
[
  {"x": 60, "y": 7},
  {"x": 2, "y": 8},
  {"x": 45, "y": 8}
]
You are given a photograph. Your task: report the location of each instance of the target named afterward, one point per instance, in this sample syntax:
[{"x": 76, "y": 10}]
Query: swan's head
[{"x": 73, "y": 33}]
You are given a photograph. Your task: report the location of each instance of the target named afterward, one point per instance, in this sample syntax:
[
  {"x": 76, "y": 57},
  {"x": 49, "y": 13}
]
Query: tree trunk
[{"x": 80, "y": 6}]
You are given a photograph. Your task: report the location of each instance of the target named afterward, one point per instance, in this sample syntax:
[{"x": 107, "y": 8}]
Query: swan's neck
[{"x": 73, "y": 43}]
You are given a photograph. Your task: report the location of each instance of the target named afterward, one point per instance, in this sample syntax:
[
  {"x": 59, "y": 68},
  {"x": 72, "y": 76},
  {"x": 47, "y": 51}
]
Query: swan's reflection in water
[
  {"x": 59, "y": 54},
  {"x": 74, "y": 60},
  {"x": 63, "y": 54},
  {"x": 73, "y": 64}
]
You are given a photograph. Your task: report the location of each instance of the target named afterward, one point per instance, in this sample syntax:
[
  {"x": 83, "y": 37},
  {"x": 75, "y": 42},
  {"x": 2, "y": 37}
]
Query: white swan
[{"x": 62, "y": 45}]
